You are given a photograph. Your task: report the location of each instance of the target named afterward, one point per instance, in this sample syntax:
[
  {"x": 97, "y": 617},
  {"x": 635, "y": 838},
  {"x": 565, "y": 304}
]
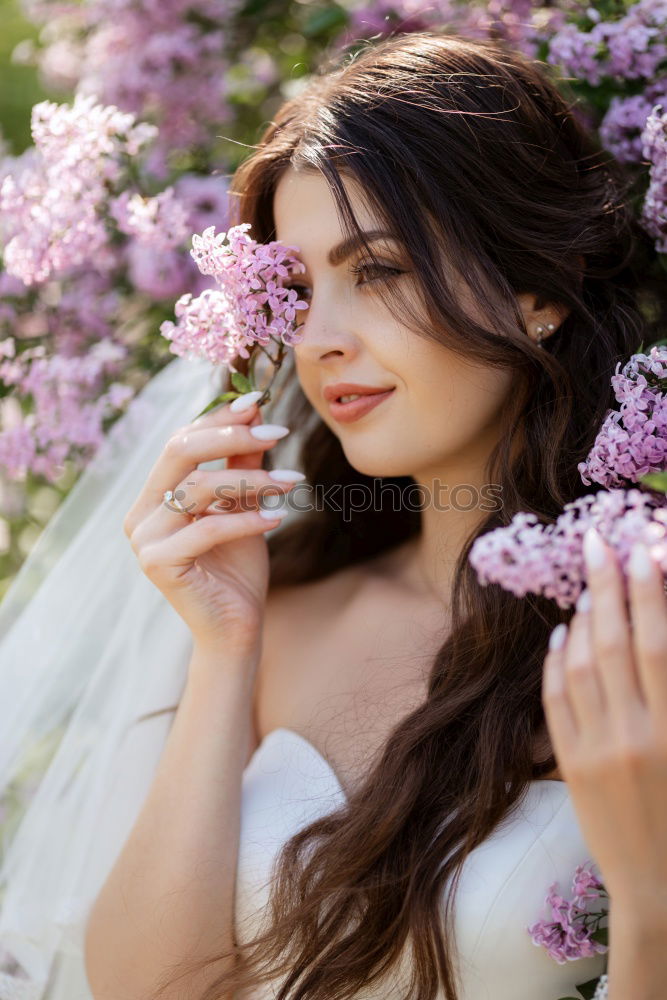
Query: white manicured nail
[
  {"x": 584, "y": 601},
  {"x": 639, "y": 563},
  {"x": 267, "y": 432},
  {"x": 558, "y": 636},
  {"x": 286, "y": 475},
  {"x": 271, "y": 515},
  {"x": 594, "y": 551},
  {"x": 244, "y": 402}
]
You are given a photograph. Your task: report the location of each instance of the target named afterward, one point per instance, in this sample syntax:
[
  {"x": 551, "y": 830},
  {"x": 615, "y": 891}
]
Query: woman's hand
[
  {"x": 605, "y": 700},
  {"x": 211, "y": 563}
]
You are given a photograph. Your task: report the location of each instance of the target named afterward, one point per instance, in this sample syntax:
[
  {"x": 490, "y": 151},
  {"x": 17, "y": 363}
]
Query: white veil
[{"x": 87, "y": 645}]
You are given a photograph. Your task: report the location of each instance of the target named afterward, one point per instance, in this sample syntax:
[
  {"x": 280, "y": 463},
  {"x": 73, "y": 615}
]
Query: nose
[{"x": 324, "y": 340}]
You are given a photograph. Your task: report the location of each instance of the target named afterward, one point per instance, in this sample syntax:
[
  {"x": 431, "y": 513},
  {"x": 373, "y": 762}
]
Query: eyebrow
[{"x": 348, "y": 246}]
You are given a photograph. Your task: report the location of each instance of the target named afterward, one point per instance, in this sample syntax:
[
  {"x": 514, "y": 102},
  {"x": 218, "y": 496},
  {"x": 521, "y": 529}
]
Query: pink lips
[{"x": 345, "y": 413}]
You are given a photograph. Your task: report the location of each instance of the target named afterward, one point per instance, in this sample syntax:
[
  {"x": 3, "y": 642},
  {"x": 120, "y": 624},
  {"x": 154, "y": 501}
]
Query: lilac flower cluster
[
  {"x": 74, "y": 223},
  {"x": 250, "y": 304},
  {"x": 631, "y": 47},
  {"x": 568, "y": 935},
  {"x": 522, "y": 23},
  {"x": 632, "y": 440},
  {"x": 161, "y": 221},
  {"x": 654, "y": 149},
  {"x": 69, "y": 406},
  {"x": 162, "y": 61},
  {"x": 52, "y": 199},
  {"x": 530, "y": 557},
  {"x": 621, "y": 129}
]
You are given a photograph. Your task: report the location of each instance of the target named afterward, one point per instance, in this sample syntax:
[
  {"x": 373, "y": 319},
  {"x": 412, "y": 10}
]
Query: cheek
[{"x": 456, "y": 400}]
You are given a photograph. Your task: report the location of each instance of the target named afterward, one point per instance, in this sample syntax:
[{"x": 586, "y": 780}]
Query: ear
[
  {"x": 541, "y": 321},
  {"x": 545, "y": 315}
]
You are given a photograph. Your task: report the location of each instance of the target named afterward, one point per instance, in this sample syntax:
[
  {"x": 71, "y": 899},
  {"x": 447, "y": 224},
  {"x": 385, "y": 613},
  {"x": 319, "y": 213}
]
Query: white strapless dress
[{"x": 288, "y": 783}]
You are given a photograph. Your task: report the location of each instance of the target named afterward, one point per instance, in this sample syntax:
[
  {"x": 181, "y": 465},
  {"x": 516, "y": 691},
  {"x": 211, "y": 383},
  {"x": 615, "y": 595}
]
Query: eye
[{"x": 382, "y": 271}]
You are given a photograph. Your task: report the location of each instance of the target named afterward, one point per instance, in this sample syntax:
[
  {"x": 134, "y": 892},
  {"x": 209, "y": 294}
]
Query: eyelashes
[
  {"x": 382, "y": 272},
  {"x": 381, "y": 269}
]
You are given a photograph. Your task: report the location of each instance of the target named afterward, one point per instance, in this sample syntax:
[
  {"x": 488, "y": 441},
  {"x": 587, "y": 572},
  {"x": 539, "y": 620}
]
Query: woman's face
[{"x": 443, "y": 413}]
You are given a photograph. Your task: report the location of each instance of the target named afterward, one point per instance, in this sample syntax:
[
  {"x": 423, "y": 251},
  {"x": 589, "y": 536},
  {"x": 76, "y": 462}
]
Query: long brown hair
[{"x": 470, "y": 154}]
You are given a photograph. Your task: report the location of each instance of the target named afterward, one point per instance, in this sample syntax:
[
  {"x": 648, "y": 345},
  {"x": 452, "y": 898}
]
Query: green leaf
[
  {"x": 224, "y": 398},
  {"x": 655, "y": 481},
  {"x": 587, "y": 989},
  {"x": 601, "y": 935},
  {"x": 241, "y": 382}
]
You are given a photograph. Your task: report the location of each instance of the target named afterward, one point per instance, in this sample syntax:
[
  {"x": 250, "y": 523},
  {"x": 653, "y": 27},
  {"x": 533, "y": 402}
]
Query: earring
[{"x": 539, "y": 330}]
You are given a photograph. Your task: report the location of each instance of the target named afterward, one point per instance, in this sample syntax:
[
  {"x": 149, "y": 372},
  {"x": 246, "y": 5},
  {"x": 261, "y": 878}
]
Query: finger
[
  {"x": 166, "y": 558},
  {"x": 226, "y": 489},
  {"x": 253, "y": 459},
  {"x": 555, "y": 699},
  {"x": 213, "y": 491},
  {"x": 148, "y": 498},
  {"x": 184, "y": 451},
  {"x": 582, "y": 677},
  {"x": 242, "y": 404},
  {"x": 648, "y": 609},
  {"x": 611, "y": 628}
]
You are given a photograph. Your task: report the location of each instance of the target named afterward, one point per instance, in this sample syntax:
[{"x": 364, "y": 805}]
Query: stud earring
[{"x": 540, "y": 330}]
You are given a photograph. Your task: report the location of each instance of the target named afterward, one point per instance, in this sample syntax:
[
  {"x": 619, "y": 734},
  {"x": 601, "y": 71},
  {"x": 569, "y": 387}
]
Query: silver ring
[{"x": 168, "y": 497}]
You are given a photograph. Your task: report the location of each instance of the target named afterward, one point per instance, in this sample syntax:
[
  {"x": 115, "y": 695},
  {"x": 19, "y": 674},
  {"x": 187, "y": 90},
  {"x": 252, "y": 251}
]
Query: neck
[{"x": 456, "y": 502}]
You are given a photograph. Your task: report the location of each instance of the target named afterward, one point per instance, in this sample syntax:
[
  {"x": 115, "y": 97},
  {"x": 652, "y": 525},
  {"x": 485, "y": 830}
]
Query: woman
[{"x": 355, "y": 699}]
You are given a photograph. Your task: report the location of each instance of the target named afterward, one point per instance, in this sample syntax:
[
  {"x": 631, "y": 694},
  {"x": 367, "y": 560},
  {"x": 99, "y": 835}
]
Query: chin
[{"x": 385, "y": 466}]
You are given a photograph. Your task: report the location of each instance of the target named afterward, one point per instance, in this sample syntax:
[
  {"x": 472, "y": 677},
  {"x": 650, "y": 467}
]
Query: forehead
[{"x": 304, "y": 211}]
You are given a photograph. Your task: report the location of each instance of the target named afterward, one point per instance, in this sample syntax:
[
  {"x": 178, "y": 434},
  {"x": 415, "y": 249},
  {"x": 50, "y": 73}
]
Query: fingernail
[
  {"x": 594, "y": 551},
  {"x": 267, "y": 432},
  {"x": 584, "y": 600},
  {"x": 286, "y": 475},
  {"x": 558, "y": 637},
  {"x": 639, "y": 563},
  {"x": 245, "y": 401},
  {"x": 271, "y": 515}
]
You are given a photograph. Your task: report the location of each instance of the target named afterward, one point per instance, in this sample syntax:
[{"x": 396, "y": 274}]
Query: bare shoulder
[{"x": 294, "y": 614}]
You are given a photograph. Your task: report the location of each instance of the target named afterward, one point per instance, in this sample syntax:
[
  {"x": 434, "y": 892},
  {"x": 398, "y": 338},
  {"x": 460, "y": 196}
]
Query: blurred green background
[{"x": 19, "y": 87}]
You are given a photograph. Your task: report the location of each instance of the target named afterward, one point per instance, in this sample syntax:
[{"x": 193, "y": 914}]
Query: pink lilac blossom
[
  {"x": 70, "y": 404},
  {"x": 250, "y": 304},
  {"x": 567, "y": 936},
  {"x": 633, "y": 439},
  {"x": 87, "y": 306},
  {"x": 157, "y": 273},
  {"x": 547, "y": 559},
  {"x": 626, "y": 118},
  {"x": 632, "y": 47},
  {"x": 161, "y": 221},
  {"x": 164, "y": 62},
  {"x": 205, "y": 199},
  {"x": 654, "y": 149},
  {"x": 519, "y": 22},
  {"x": 52, "y": 202}
]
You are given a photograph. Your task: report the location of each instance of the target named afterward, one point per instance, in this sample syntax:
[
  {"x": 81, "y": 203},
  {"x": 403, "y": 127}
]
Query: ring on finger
[{"x": 169, "y": 498}]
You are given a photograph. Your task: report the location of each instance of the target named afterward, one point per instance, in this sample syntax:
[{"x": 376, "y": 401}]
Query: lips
[
  {"x": 334, "y": 392},
  {"x": 347, "y": 412}
]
